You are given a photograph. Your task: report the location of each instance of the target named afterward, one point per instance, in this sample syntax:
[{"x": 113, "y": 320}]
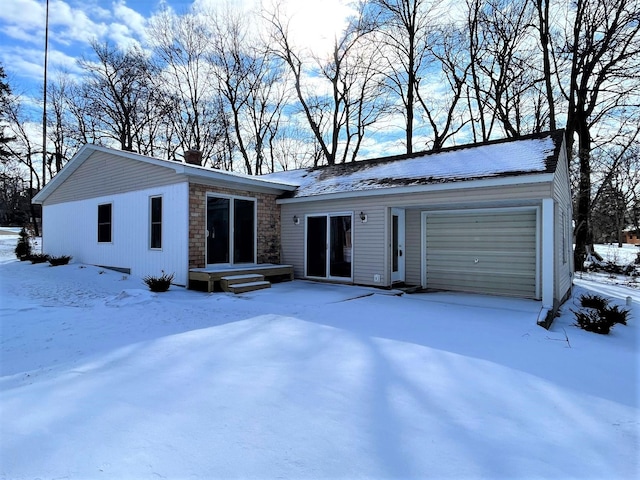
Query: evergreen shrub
[
  {"x": 159, "y": 284},
  {"x": 61, "y": 260},
  {"x": 23, "y": 248},
  {"x": 598, "y": 316},
  {"x": 39, "y": 258}
]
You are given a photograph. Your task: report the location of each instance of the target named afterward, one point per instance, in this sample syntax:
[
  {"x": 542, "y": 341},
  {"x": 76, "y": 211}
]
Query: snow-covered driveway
[{"x": 102, "y": 379}]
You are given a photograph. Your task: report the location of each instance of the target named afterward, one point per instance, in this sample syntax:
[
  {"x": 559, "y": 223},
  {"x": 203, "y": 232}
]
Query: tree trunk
[{"x": 583, "y": 213}]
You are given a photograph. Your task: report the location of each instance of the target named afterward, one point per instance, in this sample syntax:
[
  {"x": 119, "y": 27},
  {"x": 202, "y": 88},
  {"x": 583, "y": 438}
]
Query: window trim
[
  {"x": 152, "y": 223},
  {"x": 110, "y": 223}
]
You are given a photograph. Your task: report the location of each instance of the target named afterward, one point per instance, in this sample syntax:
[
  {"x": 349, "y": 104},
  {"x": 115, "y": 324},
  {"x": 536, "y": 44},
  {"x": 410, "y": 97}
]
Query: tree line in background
[{"x": 427, "y": 72}]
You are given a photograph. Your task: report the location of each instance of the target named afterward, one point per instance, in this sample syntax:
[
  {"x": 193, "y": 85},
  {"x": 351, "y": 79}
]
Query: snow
[
  {"x": 100, "y": 378},
  {"x": 620, "y": 255},
  {"x": 529, "y": 155}
]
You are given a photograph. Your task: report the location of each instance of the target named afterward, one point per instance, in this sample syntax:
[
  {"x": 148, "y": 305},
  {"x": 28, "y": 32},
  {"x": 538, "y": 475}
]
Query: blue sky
[{"x": 74, "y": 23}]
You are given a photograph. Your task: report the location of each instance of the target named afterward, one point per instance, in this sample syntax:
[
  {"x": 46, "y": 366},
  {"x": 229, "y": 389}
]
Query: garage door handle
[{"x": 399, "y": 253}]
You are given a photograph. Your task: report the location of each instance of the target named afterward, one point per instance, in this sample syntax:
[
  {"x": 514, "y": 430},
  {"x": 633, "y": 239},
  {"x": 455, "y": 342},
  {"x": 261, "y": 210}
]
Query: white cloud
[
  {"x": 315, "y": 24},
  {"x": 129, "y": 17},
  {"x": 29, "y": 62}
]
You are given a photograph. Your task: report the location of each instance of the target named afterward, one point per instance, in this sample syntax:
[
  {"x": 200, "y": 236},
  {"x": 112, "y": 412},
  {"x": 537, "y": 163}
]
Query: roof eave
[
  {"x": 77, "y": 160},
  {"x": 246, "y": 182},
  {"x": 178, "y": 167}
]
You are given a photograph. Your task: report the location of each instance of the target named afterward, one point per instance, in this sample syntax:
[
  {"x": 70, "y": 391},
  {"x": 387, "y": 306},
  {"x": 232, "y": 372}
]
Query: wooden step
[
  {"x": 248, "y": 286},
  {"x": 227, "y": 281}
]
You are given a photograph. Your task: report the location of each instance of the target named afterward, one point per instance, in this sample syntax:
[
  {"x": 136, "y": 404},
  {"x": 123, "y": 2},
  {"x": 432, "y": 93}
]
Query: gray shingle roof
[{"x": 532, "y": 154}]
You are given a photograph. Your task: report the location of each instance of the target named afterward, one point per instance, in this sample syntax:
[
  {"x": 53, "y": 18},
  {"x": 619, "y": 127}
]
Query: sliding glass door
[
  {"x": 328, "y": 246},
  {"x": 230, "y": 230}
]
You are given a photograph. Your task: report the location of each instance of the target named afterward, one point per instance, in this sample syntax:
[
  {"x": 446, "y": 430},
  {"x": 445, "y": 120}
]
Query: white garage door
[{"x": 482, "y": 252}]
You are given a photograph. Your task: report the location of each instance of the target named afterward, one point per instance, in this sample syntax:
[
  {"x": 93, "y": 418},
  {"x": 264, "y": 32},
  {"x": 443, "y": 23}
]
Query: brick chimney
[{"x": 193, "y": 157}]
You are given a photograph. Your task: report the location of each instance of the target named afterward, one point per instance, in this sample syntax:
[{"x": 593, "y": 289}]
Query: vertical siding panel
[{"x": 71, "y": 228}]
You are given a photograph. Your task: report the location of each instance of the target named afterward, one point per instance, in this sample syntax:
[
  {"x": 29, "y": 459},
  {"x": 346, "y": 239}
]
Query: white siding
[{"x": 70, "y": 228}]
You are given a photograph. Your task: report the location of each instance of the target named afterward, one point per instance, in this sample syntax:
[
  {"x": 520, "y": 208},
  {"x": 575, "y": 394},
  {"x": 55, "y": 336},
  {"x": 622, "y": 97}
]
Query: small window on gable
[
  {"x": 104, "y": 223},
  {"x": 156, "y": 222}
]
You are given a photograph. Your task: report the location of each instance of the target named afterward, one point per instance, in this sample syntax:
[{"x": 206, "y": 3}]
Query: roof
[
  {"x": 192, "y": 171},
  {"x": 529, "y": 155}
]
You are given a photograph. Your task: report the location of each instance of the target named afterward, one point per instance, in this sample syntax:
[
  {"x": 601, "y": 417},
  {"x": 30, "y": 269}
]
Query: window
[
  {"x": 156, "y": 222},
  {"x": 231, "y": 229},
  {"x": 565, "y": 248},
  {"x": 104, "y": 223}
]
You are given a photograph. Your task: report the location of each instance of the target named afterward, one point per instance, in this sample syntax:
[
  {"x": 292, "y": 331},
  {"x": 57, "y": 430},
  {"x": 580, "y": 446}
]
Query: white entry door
[{"x": 397, "y": 245}]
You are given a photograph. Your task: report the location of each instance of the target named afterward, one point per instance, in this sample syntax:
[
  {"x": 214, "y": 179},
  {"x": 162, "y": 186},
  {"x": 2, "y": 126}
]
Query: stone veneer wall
[{"x": 268, "y": 230}]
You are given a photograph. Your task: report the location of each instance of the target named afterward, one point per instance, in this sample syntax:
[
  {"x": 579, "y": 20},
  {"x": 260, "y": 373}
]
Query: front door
[
  {"x": 397, "y": 245},
  {"x": 230, "y": 230}
]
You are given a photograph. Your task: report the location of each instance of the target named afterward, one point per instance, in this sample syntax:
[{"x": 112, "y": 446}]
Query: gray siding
[
  {"x": 413, "y": 240},
  {"x": 371, "y": 239},
  {"x": 369, "y": 252},
  {"x": 105, "y": 174},
  {"x": 563, "y": 270}
]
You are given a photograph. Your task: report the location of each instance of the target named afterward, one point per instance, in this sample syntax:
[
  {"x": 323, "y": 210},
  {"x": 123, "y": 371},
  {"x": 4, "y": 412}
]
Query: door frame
[
  {"x": 231, "y": 198},
  {"x": 400, "y": 275},
  {"x": 328, "y": 216}
]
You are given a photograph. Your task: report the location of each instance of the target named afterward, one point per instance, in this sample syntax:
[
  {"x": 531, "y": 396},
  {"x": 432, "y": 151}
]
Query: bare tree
[
  {"x": 252, "y": 83},
  {"x": 405, "y": 27},
  {"x": 116, "y": 87},
  {"x": 440, "y": 105},
  {"x": 339, "y": 115},
  {"x": 181, "y": 44},
  {"x": 60, "y": 123},
  {"x": 601, "y": 58},
  {"x": 544, "y": 30}
]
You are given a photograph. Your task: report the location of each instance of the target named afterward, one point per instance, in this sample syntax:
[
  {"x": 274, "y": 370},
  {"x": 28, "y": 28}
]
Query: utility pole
[
  {"x": 44, "y": 109},
  {"x": 44, "y": 121}
]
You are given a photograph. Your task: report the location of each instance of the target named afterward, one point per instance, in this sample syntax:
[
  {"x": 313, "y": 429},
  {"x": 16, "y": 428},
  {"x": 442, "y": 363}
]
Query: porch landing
[{"x": 209, "y": 278}]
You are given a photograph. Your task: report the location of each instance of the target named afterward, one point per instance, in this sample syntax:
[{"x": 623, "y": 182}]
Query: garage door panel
[
  {"x": 500, "y": 284},
  {"x": 467, "y": 262},
  {"x": 488, "y": 252}
]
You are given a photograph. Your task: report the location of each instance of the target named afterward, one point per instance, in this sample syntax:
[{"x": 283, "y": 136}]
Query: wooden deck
[{"x": 209, "y": 278}]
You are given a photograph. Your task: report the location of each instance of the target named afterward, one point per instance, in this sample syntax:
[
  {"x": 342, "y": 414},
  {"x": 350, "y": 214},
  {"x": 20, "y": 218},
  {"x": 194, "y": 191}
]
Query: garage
[{"x": 482, "y": 251}]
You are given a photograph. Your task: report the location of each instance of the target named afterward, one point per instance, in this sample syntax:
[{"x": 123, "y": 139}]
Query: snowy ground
[
  {"x": 620, "y": 255},
  {"x": 101, "y": 379}
]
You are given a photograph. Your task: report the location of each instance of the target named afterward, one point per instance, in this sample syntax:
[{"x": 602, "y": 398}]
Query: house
[
  {"x": 631, "y": 236},
  {"x": 492, "y": 218}
]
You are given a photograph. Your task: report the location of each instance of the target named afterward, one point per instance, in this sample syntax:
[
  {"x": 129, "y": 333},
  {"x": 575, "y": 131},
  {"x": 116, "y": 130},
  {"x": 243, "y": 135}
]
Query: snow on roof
[{"x": 529, "y": 155}]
